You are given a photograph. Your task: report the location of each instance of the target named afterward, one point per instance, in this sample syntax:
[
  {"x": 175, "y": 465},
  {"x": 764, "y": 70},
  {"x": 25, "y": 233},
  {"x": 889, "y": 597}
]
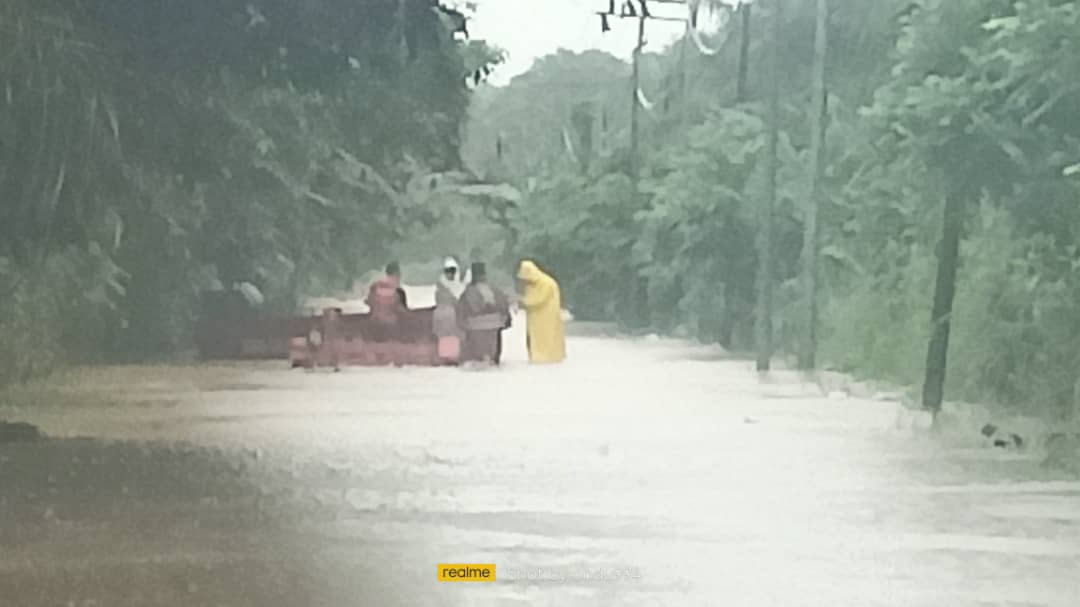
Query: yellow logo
[{"x": 466, "y": 573}]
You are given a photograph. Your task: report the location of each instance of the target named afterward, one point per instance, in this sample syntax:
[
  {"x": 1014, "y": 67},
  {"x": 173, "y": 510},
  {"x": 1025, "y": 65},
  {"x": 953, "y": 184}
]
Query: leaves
[
  {"x": 161, "y": 149},
  {"x": 975, "y": 95}
]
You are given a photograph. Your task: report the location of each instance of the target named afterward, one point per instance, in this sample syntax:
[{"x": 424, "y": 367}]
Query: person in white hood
[{"x": 447, "y": 292}]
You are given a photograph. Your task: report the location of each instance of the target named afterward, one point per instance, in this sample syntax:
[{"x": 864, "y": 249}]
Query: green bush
[
  {"x": 54, "y": 313},
  {"x": 1017, "y": 327},
  {"x": 879, "y": 328}
]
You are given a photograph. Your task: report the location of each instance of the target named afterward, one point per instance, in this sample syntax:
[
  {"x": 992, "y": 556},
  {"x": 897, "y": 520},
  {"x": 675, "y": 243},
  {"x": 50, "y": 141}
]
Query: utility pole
[
  {"x": 634, "y": 105},
  {"x": 763, "y": 327},
  {"x": 808, "y": 349},
  {"x": 684, "y": 81},
  {"x": 744, "y": 52},
  {"x": 639, "y": 11}
]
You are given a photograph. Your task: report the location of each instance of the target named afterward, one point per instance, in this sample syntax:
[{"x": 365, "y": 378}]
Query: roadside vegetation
[
  {"x": 965, "y": 110},
  {"x": 150, "y": 151}
]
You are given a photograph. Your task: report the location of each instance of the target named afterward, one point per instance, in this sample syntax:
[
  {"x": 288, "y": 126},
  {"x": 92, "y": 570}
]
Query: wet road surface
[{"x": 637, "y": 473}]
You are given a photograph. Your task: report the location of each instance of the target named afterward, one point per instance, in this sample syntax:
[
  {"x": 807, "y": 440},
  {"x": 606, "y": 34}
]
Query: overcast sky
[{"x": 529, "y": 29}]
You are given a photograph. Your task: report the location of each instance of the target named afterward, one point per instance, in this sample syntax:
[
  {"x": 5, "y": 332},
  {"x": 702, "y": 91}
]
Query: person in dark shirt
[{"x": 483, "y": 312}]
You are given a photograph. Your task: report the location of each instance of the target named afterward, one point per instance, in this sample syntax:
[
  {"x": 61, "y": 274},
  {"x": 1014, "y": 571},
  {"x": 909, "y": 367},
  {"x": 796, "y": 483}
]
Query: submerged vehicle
[
  {"x": 232, "y": 328},
  {"x": 361, "y": 339}
]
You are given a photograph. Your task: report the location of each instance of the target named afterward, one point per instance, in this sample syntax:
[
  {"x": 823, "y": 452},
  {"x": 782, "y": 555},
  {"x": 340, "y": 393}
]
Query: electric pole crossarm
[{"x": 652, "y": 18}]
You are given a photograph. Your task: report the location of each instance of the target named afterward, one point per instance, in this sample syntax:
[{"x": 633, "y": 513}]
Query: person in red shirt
[{"x": 385, "y": 300}]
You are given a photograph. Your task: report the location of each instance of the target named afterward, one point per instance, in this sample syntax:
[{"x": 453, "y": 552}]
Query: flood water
[{"x": 640, "y": 472}]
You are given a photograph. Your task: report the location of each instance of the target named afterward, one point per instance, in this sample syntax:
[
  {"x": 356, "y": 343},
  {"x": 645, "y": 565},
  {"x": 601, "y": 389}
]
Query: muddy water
[{"x": 638, "y": 473}]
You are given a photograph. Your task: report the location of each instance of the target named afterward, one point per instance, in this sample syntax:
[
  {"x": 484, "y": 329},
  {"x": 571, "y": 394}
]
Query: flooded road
[{"x": 638, "y": 473}]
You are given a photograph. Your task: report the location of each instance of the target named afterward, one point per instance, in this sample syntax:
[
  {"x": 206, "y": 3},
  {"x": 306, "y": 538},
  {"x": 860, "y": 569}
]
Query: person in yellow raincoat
[{"x": 543, "y": 305}]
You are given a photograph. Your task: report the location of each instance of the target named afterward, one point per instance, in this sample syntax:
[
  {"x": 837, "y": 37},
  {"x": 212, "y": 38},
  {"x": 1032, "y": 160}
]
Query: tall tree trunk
[
  {"x": 763, "y": 326},
  {"x": 744, "y": 52},
  {"x": 808, "y": 348},
  {"x": 582, "y": 120},
  {"x": 944, "y": 292}
]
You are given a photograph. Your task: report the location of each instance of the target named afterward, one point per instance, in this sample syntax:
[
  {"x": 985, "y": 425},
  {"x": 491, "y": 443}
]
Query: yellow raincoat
[{"x": 543, "y": 304}]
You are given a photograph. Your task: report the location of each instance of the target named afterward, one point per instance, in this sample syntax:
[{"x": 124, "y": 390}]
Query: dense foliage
[
  {"x": 974, "y": 99},
  {"x": 151, "y": 150}
]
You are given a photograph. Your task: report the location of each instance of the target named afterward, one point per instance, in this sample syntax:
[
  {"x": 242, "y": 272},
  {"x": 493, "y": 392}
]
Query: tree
[
  {"x": 986, "y": 118},
  {"x": 966, "y": 106},
  {"x": 529, "y": 115},
  {"x": 152, "y": 151}
]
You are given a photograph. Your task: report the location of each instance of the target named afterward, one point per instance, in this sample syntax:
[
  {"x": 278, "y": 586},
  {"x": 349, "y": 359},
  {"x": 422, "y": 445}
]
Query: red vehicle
[{"x": 232, "y": 329}]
